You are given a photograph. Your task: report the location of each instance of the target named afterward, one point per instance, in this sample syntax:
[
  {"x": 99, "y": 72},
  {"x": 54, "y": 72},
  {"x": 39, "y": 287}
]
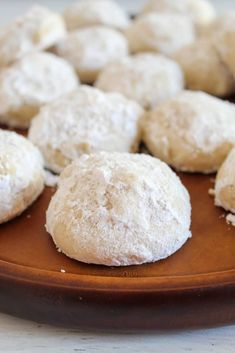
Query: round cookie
[
  {"x": 202, "y": 12},
  {"x": 85, "y": 121},
  {"x": 157, "y": 32},
  {"x": 119, "y": 209},
  {"x": 38, "y": 29},
  {"x": 86, "y": 13},
  {"x": 223, "y": 38},
  {"x": 219, "y": 24},
  {"x": 21, "y": 174},
  {"x": 89, "y": 50},
  {"x": 31, "y": 82},
  {"x": 146, "y": 78},
  {"x": 225, "y": 184},
  {"x": 204, "y": 70},
  {"x": 192, "y": 132}
]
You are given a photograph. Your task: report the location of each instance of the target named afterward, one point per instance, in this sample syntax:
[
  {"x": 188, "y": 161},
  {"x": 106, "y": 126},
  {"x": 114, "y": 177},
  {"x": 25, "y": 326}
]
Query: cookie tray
[{"x": 193, "y": 288}]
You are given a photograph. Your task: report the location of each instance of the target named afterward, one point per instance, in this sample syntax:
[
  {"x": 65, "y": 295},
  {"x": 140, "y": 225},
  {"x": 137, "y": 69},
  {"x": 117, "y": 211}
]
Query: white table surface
[{"x": 18, "y": 335}]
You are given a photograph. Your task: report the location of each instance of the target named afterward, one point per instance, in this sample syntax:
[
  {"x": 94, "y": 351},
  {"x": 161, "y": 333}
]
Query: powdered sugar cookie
[
  {"x": 223, "y": 38},
  {"x": 219, "y": 24},
  {"x": 119, "y": 209},
  {"x": 21, "y": 174},
  {"x": 89, "y": 50},
  {"x": 86, "y": 13},
  {"x": 31, "y": 82},
  {"x": 204, "y": 70},
  {"x": 157, "y": 32},
  {"x": 85, "y": 121},
  {"x": 38, "y": 29},
  {"x": 193, "y": 132},
  {"x": 146, "y": 78},
  {"x": 202, "y": 12},
  {"x": 225, "y": 184}
]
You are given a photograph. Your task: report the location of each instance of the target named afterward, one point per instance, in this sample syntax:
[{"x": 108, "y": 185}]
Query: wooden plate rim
[{"x": 20, "y": 273}]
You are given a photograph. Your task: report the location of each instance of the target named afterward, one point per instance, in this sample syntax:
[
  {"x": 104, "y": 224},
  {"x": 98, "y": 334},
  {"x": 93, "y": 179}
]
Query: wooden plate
[{"x": 194, "y": 287}]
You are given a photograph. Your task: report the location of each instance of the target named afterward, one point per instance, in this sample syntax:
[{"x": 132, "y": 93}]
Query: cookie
[
  {"x": 89, "y": 50},
  {"x": 157, "y": 32},
  {"x": 31, "y": 82},
  {"x": 192, "y": 132},
  {"x": 202, "y": 12},
  {"x": 38, "y": 29},
  {"x": 21, "y": 174},
  {"x": 85, "y": 121},
  {"x": 225, "y": 184},
  {"x": 219, "y": 24},
  {"x": 119, "y": 209},
  {"x": 146, "y": 78},
  {"x": 86, "y": 13},
  {"x": 223, "y": 39},
  {"x": 204, "y": 70}
]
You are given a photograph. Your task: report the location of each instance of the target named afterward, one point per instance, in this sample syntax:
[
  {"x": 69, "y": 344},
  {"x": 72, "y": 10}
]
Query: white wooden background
[{"x": 24, "y": 336}]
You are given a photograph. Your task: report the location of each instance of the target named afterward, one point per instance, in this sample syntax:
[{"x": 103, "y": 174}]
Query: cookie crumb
[
  {"x": 51, "y": 179},
  {"x": 222, "y": 216},
  {"x": 62, "y": 270},
  {"x": 230, "y": 219},
  {"x": 211, "y": 192}
]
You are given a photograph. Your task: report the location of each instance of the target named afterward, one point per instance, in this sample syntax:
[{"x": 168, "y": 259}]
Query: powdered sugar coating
[
  {"x": 202, "y": 12},
  {"x": 85, "y": 121},
  {"x": 225, "y": 184},
  {"x": 204, "y": 70},
  {"x": 119, "y": 210},
  {"x": 38, "y": 29},
  {"x": 85, "y": 13},
  {"x": 89, "y": 50},
  {"x": 21, "y": 174},
  {"x": 193, "y": 132},
  {"x": 36, "y": 79},
  {"x": 146, "y": 78},
  {"x": 161, "y": 32}
]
